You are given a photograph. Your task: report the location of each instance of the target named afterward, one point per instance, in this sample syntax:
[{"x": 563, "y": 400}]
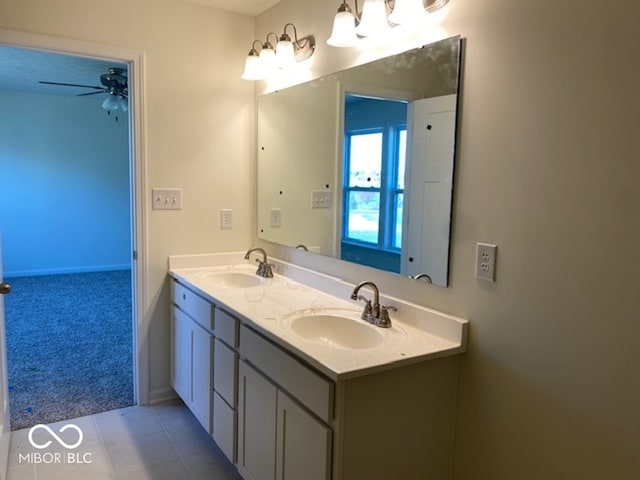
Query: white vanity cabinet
[
  {"x": 205, "y": 364},
  {"x": 278, "y": 438},
  {"x": 278, "y": 412},
  {"x": 193, "y": 343}
]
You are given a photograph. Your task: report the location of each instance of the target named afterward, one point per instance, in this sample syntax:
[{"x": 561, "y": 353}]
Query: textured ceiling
[{"x": 21, "y": 69}]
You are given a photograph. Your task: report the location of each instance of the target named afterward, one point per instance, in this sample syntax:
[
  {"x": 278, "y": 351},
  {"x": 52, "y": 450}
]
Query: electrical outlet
[
  {"x": 166, "y": 198},
  {"x": 486, "y": 261},
  {"x": 226, "y": 219}
]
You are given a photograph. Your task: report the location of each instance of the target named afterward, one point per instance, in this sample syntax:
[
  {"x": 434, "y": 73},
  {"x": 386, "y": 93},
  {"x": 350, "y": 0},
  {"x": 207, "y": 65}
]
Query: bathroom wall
[
  {"x": 198, "y": 134},
  {"x": 64, "y": 184},
  {"x": 547, "y": 168}
]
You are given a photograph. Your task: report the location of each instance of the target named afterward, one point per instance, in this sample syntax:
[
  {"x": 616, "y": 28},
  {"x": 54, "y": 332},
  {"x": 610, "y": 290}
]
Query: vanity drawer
[
  {"x": 226, "y": 328},
  {"x": 225, "y": 420},
  {"x": 194, "y": 305},
  {"x": 311, "y": 389},
  {"x": 225, "y": 368}
]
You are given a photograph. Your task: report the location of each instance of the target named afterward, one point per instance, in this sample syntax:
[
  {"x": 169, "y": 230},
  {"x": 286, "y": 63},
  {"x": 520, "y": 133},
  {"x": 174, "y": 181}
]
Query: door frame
[{"x": 137, "y": 162}]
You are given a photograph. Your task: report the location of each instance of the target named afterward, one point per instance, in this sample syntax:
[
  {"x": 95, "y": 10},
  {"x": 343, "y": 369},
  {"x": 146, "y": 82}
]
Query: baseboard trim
[
  {"x": 61, "y": 271},
  {"x": 162, "y": 395}
]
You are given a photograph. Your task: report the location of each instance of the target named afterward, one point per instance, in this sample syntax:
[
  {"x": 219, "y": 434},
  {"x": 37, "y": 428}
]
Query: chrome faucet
[
  {"x": 426, "y": 277},
  {"x": 376, "y": 313},
  {"x": 264, "y": 267}
]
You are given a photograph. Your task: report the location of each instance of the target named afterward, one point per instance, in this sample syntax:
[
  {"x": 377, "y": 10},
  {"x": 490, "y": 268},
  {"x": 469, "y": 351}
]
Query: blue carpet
[{"x": 69, "y": 346}]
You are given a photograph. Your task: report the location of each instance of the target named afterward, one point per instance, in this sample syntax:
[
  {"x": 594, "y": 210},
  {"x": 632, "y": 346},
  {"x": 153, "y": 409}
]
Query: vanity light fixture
[
  {"x": 377, "y": 17},
  {"x": 259, "y": 65}
]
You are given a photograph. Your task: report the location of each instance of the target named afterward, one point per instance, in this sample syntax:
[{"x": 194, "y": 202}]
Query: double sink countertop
[{"x": 273, "y": 305}]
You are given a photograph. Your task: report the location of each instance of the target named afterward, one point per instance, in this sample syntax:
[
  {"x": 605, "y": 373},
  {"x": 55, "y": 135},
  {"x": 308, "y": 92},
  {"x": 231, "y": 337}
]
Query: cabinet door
[
  {"x": 202, "y": 375},
  {"x": 257, "y": 403},
  {"x": 303, "y": 449},
  {"x": 181, "y": 353}
]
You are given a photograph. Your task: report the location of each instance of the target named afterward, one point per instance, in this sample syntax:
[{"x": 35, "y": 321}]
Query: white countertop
[{"x": 417, "y": 333}]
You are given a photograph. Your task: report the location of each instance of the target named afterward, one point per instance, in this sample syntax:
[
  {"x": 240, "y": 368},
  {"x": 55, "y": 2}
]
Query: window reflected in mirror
[{"x": 375, "y": 135}]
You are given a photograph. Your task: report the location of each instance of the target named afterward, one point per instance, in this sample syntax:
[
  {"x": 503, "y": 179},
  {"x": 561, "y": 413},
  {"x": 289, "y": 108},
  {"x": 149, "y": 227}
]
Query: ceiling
[
  {"x": 247, "y": 7},
  {"x": 21, "y": 69}
]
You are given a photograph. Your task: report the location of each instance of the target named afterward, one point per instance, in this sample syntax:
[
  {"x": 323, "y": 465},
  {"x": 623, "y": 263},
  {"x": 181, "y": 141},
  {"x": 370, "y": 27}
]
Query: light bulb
[
  {"x": 344, "y": 28},
  {"x": 110, "y": 103},
  {"x": 252, "y": 67},
  {"x": 408, "y": 12},
  {"x": 374, "y": 19},
  {"x": 124, "y": 104},
  {"x": 285, "y": 56},
  {"x": 267, "y": 59}
]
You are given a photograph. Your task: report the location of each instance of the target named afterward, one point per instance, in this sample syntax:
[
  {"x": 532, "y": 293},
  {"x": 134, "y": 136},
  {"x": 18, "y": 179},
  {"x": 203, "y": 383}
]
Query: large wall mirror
[{"x": 358, "y": 165}]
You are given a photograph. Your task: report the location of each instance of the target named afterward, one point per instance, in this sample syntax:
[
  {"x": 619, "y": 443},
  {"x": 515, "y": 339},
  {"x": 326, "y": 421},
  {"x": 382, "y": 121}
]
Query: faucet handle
[
  {"x": 267, "y": 271},
  {"x": 264, "y": 269},
  {"x": 385, "y": 321},
  {"x": 367, "y": 313}
]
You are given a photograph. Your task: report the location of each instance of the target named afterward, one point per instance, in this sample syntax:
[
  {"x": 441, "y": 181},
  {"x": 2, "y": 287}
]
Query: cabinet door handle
[{"x": 4, "y": 288}]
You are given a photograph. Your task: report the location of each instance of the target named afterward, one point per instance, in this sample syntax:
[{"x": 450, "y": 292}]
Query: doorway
[{"x": 132, "y": 62}]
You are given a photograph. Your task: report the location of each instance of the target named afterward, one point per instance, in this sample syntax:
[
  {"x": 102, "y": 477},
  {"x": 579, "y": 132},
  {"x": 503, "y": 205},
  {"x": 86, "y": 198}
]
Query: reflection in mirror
[{"x": 358, "y": 165}]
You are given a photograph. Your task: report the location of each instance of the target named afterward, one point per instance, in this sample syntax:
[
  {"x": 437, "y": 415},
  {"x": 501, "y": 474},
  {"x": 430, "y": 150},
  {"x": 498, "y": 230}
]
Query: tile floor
[{"x": 159, "y": 442}]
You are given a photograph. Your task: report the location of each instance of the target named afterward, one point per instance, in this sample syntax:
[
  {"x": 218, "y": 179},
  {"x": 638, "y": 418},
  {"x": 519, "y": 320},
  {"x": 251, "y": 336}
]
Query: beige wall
[
  {"x": 548, "y": 168},
  {"x": 199, "y": 125}
]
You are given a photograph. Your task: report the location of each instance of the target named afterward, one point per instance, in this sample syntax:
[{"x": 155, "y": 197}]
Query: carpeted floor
[{"x": 69, "y": 346}]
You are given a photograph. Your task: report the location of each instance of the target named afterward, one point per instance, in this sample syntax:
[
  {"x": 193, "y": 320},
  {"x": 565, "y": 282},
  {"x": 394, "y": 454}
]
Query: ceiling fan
[{"x": 114, "y": 83}]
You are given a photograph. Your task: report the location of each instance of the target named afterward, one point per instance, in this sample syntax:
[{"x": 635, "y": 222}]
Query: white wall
[
  {"x": 65, "y": 185},
  {"x": 199, "y": 125},
  {"x": 548, "y": 169}
]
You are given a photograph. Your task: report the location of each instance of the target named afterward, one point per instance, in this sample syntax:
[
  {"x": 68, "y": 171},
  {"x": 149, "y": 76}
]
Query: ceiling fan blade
[
  {"x": 92, "y": 93},
  {"x": 72, "y": 85}
]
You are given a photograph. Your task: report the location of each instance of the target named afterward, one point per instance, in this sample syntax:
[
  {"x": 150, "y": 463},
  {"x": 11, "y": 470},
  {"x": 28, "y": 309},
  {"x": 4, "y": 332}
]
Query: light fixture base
[{"x": 304, "y": 48}]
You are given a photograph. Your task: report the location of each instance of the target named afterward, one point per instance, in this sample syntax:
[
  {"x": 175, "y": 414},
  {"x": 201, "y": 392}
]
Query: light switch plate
[
  {"x": 166, "y": 198},
  {"x": 320, "y": 199},
  {"x": 276, "y": 217},
  {"x": 226, "y": 219}
]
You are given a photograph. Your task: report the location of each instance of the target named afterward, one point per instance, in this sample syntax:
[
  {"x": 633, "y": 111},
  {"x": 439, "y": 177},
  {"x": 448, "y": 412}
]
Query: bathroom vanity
[{"x": 292, "y": 383}]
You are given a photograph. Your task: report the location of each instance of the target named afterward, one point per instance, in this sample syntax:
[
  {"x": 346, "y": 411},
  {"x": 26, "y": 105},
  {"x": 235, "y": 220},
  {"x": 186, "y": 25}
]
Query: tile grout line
[
  {"x": 168, "y": 433},
  {"x": 104, "y": 447}
]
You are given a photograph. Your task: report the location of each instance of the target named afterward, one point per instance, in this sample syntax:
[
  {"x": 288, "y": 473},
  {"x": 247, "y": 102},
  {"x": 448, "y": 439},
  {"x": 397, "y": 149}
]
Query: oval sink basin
[
  {"x": 337, "y": 331},
  {"x": 234, "y": 279}
]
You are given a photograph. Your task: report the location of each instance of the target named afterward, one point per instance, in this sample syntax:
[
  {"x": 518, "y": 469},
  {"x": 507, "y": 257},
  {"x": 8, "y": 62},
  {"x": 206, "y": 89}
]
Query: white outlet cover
[{"x": 486, "y": 261}]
